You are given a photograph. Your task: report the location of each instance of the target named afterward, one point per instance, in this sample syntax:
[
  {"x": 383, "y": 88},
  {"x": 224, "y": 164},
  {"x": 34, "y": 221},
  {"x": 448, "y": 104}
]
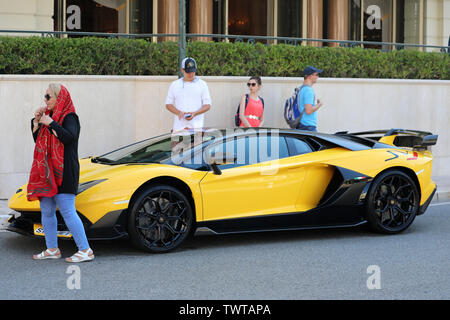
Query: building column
[
  {"x": 436, "y": 23},
  {"x": 168, "y": 21},
  {"x": 337, "y": 21},
  {"x": 315, "y": 21},
  {"x": 201, "y": 15},
  {"x": 26, "y": 15}
]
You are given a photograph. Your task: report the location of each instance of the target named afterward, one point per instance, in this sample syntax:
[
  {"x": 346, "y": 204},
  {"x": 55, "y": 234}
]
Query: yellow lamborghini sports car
[{"x": 159, "y": 191}]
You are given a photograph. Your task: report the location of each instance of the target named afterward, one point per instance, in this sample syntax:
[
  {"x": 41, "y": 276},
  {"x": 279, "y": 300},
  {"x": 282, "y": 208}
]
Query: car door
[
  {"x": 260, "y": 182},
  {"x": 309, "y": 159}
]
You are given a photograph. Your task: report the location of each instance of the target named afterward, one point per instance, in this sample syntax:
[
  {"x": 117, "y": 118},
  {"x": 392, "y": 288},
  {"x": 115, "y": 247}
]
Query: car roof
[{"x": 345, "y": 141}]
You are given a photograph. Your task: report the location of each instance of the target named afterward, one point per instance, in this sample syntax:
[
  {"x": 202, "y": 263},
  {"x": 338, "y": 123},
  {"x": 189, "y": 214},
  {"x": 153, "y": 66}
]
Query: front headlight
[{"x": 89, "y": 184}]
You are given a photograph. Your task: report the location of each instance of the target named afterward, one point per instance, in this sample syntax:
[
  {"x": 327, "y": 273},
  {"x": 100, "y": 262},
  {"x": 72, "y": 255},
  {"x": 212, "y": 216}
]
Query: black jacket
[{"x": 68, "y": 134}]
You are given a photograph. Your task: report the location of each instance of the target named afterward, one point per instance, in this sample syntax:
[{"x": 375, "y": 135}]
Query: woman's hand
[
  {"x": 46, "y": 120},
  {"x": 38, "y": 114}
]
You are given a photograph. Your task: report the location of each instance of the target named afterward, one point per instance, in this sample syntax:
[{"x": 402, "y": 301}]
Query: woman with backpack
[{"x": 251, "y": 108}]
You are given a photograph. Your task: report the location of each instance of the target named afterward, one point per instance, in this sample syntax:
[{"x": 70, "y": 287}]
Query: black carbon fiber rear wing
[{"x": 398, "y": 137}]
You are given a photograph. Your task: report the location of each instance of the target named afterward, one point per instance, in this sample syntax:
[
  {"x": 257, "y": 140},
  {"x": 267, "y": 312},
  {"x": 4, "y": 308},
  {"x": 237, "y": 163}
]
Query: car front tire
[{"x": 160, "y": 219}]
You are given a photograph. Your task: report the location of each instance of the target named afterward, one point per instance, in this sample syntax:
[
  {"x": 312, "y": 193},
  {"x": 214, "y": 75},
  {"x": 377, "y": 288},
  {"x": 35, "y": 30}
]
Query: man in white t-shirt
[{"x": 188, "y": 98}]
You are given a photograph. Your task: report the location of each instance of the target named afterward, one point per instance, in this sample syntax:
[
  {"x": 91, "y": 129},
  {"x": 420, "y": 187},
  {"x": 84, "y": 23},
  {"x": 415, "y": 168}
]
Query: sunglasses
[
  {"x": 251, "y": 84},
  {"x": 47, "y": 96}
]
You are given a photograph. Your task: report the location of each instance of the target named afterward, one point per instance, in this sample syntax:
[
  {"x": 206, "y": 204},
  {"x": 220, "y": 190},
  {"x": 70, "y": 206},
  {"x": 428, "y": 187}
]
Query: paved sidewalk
[
  {"x": 442, "y": 195},
  {"x": 4, "y": 207},
  {"x": 443, "y": 188},
  {"x": 4, "y": 210}
]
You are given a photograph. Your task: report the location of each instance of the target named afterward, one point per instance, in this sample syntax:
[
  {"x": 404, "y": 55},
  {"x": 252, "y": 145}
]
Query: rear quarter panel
[{"x": 374, "y": 161}]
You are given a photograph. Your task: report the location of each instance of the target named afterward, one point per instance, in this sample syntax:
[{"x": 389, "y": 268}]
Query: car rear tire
[
  {"x": 160, "y": 219},
  {"x": 393, "y": 202}
]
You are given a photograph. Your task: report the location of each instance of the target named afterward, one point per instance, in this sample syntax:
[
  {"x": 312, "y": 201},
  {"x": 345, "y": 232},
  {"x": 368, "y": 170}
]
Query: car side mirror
[{"x": 220, "y": 158}]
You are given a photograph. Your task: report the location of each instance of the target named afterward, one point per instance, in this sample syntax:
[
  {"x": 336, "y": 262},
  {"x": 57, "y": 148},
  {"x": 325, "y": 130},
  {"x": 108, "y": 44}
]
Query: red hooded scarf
[{"x": 48, "y": 161}]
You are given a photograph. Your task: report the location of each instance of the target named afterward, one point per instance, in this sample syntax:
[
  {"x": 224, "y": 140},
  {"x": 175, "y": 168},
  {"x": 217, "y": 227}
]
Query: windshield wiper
[
  {"x": 117, "y": 162},
  {"x": 100, "y": 159},
  {"x": 135, "y": 162}
]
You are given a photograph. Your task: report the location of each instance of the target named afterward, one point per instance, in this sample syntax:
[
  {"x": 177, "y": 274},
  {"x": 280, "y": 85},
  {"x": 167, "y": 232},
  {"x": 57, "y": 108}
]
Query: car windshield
[{"x": 161, "y": 149}]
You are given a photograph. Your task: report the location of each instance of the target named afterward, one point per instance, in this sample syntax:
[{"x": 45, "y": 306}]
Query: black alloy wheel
[
  {"x": 393, "y": 202},
  {"x": 160, "y": 220}
]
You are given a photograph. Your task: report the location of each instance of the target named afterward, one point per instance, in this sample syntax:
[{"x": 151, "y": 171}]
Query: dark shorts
[{"x": 308, "y": 128}]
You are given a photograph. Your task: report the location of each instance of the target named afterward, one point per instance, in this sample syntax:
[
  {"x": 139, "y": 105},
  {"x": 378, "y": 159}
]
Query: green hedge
[{"x": 100, "y": 56}]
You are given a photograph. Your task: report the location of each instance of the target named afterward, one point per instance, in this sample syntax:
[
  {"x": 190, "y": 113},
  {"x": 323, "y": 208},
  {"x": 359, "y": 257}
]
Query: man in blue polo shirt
[{"x": 307, "y": 99}]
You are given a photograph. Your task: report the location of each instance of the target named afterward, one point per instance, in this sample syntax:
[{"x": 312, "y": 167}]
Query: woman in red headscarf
[{"x": 55, "y": 172}]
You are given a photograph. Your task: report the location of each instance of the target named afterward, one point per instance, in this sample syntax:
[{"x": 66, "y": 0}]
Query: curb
[
  {"x": 442, "y": 196},
  {"x": 5, "y": 214},
  {"x": 4, "y": 221}
]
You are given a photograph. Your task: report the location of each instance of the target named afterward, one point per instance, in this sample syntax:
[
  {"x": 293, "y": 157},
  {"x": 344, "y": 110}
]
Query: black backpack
[{"x": 237, "y": 120}]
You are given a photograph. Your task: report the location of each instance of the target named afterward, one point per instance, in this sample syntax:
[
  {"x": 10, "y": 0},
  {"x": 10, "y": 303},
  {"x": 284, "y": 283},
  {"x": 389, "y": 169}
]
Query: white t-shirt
[{"x": 188, "y": 97}]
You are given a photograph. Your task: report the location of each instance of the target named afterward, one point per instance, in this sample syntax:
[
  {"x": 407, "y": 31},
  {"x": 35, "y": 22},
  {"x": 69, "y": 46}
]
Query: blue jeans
[
  {"x": 308, "y": 128},
  {"x": 66, "y": 205}
]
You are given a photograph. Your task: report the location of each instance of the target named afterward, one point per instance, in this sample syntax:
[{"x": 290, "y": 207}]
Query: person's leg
[
  {"x": 66, "y": 205},
  {"x": 49, "y": 222},
  {"x": 50, "y": 225}
]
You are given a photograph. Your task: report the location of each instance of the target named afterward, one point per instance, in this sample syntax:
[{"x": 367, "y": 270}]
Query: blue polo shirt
[{"x": 307, "y": 96}]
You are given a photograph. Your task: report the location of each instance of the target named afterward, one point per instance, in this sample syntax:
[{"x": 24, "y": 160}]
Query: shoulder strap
[
  {"x": 246, "y": 100},
  {"x": 298, "y": 103},
  {"x": 239, "y": 105},
  {"x": 300, "y": 90}
]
